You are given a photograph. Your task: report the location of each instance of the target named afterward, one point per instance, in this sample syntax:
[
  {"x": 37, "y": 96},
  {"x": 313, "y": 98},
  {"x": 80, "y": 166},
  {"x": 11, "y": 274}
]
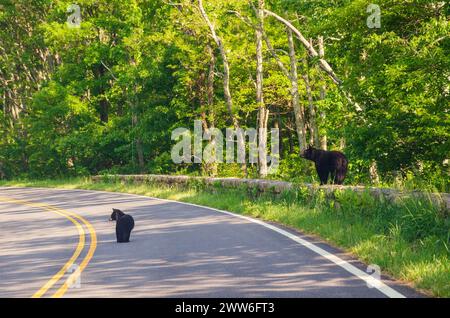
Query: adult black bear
[
  {"x": 331, "y": 164},
  {"x": 124, "y": 225}
]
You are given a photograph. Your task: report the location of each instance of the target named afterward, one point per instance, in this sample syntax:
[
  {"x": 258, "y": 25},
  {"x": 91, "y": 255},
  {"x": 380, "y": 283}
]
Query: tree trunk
[
  {"x": 263, "y": 113},
  {"x": 277, "y": 125},
  {"x": 103, "y": 104},
  {"x": 293, "y": 77},
  {"x": 137, "y": 138},
  {"x": 323, "y": 93},
  {"x": 298, "y": 108},
  {"x": 314, "y": 131},
  {"x": 140, "y": 153},
  {"x": 226, "y": 76},
  {"x": 210, "y": 169},
  {"x": 104, "y": 111},
  {"x": 2, "y": 174},
  {"x": 290, "y": 137},
  {"x": 342, "y": 144},
  {"x": 373, "y": 172}
]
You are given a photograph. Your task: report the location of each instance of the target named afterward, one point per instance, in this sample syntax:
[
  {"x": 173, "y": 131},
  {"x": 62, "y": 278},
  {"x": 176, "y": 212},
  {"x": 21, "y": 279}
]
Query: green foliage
[{"x": 106, "y": 96}]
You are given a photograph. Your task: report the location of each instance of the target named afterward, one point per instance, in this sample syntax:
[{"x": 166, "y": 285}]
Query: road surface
[{"x": 59, "y": 243}]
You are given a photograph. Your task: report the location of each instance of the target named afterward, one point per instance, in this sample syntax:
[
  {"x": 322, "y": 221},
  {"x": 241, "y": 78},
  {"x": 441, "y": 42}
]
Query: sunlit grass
[{"x": 375, "y": 232}]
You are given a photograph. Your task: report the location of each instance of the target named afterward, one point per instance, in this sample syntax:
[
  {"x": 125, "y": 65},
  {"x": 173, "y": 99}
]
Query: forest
[{"x": 97, "y": 86}]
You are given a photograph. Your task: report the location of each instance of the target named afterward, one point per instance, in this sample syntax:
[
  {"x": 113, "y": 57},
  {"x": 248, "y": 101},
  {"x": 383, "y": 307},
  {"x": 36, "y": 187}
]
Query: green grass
[{"x": 408, "y": 239}]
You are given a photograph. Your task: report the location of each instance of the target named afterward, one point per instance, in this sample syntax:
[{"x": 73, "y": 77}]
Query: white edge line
[{"x": 377, "y": 284}]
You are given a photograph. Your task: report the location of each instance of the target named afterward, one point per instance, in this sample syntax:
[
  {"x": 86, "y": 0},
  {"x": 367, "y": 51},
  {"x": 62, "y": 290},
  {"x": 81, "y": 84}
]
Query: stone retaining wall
[{"x": 274, "y": 186}]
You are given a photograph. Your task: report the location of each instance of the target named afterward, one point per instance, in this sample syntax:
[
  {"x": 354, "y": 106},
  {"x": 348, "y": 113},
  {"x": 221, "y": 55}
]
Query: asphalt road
[{"x": 176, "y": 250}]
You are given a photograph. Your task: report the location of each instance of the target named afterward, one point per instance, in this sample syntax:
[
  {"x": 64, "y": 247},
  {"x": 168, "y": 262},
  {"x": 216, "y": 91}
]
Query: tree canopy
[{"x": 105, "y": 95}]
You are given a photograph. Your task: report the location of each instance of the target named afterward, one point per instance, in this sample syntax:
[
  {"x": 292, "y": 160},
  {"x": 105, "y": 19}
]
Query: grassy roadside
[{"x": 408, "y": 239}]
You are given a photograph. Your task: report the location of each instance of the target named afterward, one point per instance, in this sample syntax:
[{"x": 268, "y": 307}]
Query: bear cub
[
  {"x": 124, "y": 225},
  {"x": 329, "y": 164}
]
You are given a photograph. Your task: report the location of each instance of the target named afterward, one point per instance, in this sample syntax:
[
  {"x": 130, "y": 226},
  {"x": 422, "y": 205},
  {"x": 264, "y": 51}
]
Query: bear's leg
[
  {"x": 118, "y": 235},
  {"x": 127, "y": 236},
  {"x": 341, "y": 170},
  {"x": 340, "y": 176},
  {"x": 333, "y": 176},
  {"x": 323, "y": 174}
]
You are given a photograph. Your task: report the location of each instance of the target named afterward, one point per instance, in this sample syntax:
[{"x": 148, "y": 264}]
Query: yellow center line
[
  {"x": 74, "y": 218},
  {"x": 62, "y": 290}
]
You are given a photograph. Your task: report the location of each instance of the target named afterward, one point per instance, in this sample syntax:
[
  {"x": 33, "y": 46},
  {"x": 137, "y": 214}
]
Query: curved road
[{"x": 176, "y": 250}]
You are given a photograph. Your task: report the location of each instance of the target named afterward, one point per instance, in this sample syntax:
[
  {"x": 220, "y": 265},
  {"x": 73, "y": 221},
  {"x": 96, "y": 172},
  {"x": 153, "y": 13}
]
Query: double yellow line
[{"x": 78, "y": 221}]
